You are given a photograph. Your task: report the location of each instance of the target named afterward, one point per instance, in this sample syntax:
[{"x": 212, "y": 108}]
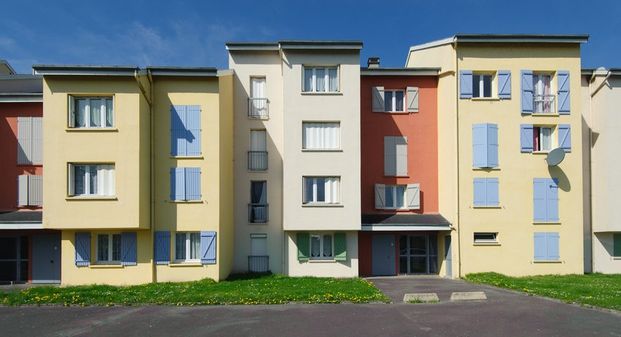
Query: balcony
[
  {"x": 543, "y": 104},
  {"x": 257, "y": 160},
  {"x": 258, "y": 213},
  {"x": 258, "y": 263},
  {"x": 258, "y": 108}
]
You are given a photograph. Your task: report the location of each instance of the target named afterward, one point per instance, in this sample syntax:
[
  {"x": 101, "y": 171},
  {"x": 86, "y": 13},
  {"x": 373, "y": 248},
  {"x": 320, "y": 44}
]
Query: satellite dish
[{"x": 555, "y": 156}]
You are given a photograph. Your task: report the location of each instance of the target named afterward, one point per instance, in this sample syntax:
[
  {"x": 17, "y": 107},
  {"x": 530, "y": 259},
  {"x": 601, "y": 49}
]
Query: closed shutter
[
  {"x": 340, "y": 247},
  {"x": 128, "y": 249},
  {"x": 479, "y": 189},
  {"x": 413, "y": 196},
  {"x": 37, "y": 140},
  {"x": 479, "y": 145},
  {"x": 379, "y": 196},
  {"x": 258, "y": 140},
  {"x": 22, "y": 190},
  {"x": 303, "y": 243},
  {"x": 492, "y": 145},
  {"x": 24, "y": 140},
  {"x": 541, "y": 252},
  {"x": 563, "y": 92},
  {"x": 401, "y": 151},
  {"x": 208, "y": 247},
  {"x": 465, "y": 84},
  {"x": 552, "y": 200},
  {"x": 491, "y": 192},
  {"x": 178, "y": 133},
  {"x": 161, "y": 247},
  {"x": 378, "y": 99},
  {"x": 35, "y": 190},
  {"x": 540, "y": 187},
  {"x": 390, "y": 156},
  {"x": 564, "y": 137},
  {"x": 552, "y": 246},
  {"x": 192, "y": 183},
  {"x": 412, "y": 99},
  {"x": 504, "y": 84},
  {"x": 527, "y": 92},
  {"x": 193, "y": 130},
  {"x": 526, "y": 138},
  {"x": 177, "y": 183},
  {"x": 82, "y": 249}
]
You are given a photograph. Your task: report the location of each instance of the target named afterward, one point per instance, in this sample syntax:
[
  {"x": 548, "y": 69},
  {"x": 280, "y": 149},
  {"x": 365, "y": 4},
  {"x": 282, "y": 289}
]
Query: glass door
[{"x": 418, "y": 254}]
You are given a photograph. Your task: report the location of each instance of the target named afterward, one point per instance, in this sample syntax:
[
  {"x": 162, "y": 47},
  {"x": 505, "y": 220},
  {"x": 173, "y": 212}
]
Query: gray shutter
[
  {"x": 36, "y": 138},
  {"x": 401, "y": 151},
  {"x": 390, "y": 157},
  {"x": 22, "y": 190},
  {"x": 70, "y": 175},
  {"x": 378, "y": 99},
  {"x": 24, "y": 150},
  {"x": 412, "y": 99},
  {"x": 35, "y": 190},
  {"x": 71, "y": 114},
  {"x": 413, "y": 195},
  {"x": 379, "y": 196}
]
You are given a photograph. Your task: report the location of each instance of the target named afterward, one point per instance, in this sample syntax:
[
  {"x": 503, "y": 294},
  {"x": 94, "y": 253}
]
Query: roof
[
  {"x": 405, "y": 221},
  {"x": 296, "y": 44},
  {"x": 601, "y": 71},
  {"x": 365, "y": 71},
  {"x": 5, "y": 68},
  {"x": 84, "y": 70},
  {"x": 183, "y": 71},
  {"x": 504, "y": 38},
  {"x": 20, "y": 88},
  {"x": 20, "y": 217}
]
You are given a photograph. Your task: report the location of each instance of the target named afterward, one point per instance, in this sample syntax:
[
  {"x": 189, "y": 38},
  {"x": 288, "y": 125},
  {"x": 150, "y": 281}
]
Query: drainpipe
[{"x": 457, "y": 144}]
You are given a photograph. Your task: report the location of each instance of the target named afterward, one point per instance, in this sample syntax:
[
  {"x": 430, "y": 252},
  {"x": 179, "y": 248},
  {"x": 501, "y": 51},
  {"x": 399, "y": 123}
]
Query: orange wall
[
  {"x": 421, "y": 131},
  {"x": 9, "y": 170}
]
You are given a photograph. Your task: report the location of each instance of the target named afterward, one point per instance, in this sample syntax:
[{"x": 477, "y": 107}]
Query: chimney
[{"x": 373, "y": 62}]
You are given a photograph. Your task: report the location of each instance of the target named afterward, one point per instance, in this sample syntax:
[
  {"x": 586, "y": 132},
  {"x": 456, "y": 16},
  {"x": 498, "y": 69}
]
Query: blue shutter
[
  {"x": 479, "y": 188},
  {"x": 492, "y": 145},
  {"x": 526, "y": 137},
  {"x": 541, "y": 253},
  {"x": 178, "y": 132},
  {"x": 128, "y": 248},
  {"x": 177, "y": 183},
  {"x": 192, "y": 183},
  {"x": 564, "y": 137},
  {"x": 161, "y": 247},
  {"x": 504, "y": 84},
  {"x": 552, "y": 246},
  {"x": 527, "y": 92},
  {"x": 479, "y": 145},
  {"x": 82, "y": 249},
  {"x": 491, "y": 192},
  {"x": 465, "y": 84},
  {"x": 208, "y": 247},
  {"x": 540, "y": 187},
  {"x": 551, "y": 200},
  {"x": 563, "y": 92},
  {"x": 193, "y": 127}
]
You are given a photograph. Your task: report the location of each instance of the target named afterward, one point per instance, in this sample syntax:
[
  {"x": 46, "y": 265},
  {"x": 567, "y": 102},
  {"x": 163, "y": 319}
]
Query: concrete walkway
[{"x": 396, "y": 287}]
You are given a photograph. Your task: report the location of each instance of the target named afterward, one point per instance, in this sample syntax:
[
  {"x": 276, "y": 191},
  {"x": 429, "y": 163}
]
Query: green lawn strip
[
  {"x": 266, "y": 289},
  {"x": 592, "y": 289}
]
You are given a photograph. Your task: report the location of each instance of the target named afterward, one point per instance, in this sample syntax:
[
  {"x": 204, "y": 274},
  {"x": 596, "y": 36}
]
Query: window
[
  {"x": 29, "y": 140},
  {"x": 30, "y": 190},
  {"x": 481, "y": 85},
  {"x": 91, "y": 180},
  {"x": 258, "y": 208},
  {"x": 485, "y": 237},
  {"x": 185, "y": 127},
  {"x": 484, "y": 145},
  {"x": 185, "y": 183},
  {"x": 187, "y": 246},
  {"x": 258, "y": 260},
  {"x": 542, "y": 138},
  {"x": 109, "y": 248},
  {"x": 91, "y": 112},
  {"x": 485, "y": 192},
  {"x": 546, "y": 246},
  {"x": 616, "y": 245},
  {"x": 321, "y": 247},
  {"x": 394, "y": 100},
  {"x": 321, "y": 79},
  {"x": 542, "y": 93},
  {"x": 257, "y": 156},
  {"x": 545, "y": 200},
  {"x": 395, "y": 156},
  {"x": 321, "y": 190},
  {"x": 258, "y": 104},
  {"x": 321, "y": 135},
  {"x": 395, "y": 196}
]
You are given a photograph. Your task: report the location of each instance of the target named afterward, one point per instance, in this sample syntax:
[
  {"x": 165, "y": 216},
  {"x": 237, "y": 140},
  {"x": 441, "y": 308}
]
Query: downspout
[{"x": 457, "y": 144}]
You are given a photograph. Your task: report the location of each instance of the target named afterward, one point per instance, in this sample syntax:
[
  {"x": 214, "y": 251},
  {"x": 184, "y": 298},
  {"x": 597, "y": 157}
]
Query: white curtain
[
  {"x": 105, "y": 180},
  {"x": 257, "y": 140},
  {"x": 320, "y": 79},
  {"x": 308, "y": 79},
  {"x": 334, "y": 81},
  {"x": 81, "y": 112},
  {"x": 321, "y": 136},
  {"x": 109, "y": 112},
  {"x": 96, "y": 109},
  {"x": 332, "y": 190}
]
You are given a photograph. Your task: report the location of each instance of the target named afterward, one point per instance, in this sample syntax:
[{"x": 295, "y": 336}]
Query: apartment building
[
  {"x": 297, "y": 156},
  {"x": 402, "y": 230},
  {"x": 139, "y": 170},
  {"x": 504, "y": 103}
]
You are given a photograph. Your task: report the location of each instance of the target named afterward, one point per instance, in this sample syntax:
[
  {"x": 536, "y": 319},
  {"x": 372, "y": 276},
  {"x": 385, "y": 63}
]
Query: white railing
[
  {"x": 543, "y": 104},
  {"x": 258, "y": 108}
]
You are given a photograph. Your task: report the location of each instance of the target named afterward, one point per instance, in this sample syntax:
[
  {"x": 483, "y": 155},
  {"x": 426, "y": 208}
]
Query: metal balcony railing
[
  {"x": 257, "y": 160},
  {"x": 258, "y": 263},
  {"x": 258, "y": 108},
  {"x": 258, "y": 213},
  {"x": 543, "y": 104}
]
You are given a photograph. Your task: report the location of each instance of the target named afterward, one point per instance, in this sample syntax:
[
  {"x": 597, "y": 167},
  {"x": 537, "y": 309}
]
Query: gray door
[
  {"x": 448, "y": 259},
  {"x": 383, "y": 250},
  {"x": 46, "y": 258}
]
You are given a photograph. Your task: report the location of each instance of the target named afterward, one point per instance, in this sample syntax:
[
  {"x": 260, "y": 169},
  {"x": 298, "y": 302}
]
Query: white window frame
[
  {"x": 494, "y": 240},
  {"x": 110, "y": 259},
  {"x": 326, "y": 75},
  {"x": 394, "y": 196},
  {"x": 324, "y": 123},
  {"x": 73, "y": 112},
  {"x": 551, "y": 138},
  {"x": 482, "y": 75},
  {"x": 87, "y": 174},
  {"x": 314, "y": 200},
  {"x": 188, "y": 247},
  {"x": 321, "y": 237},
  {"x": 393, "y": 103}
]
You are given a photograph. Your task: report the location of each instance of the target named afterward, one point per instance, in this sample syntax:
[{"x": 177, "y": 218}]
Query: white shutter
[
  {"x": 412, "y": 99},
  {"x": 22, "y": 190},
  {"x": 413, "y": 195},
  {"x": 24, "y": 140},
  {"x": 35, "y": 190},
  {"x": 37, "y": 140},
  {"x": 378, "y": 99},
  {"x": 379, "y": 196},
  {"x": 401, "y": 156}
]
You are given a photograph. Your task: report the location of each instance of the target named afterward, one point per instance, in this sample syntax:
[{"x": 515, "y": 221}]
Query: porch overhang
[
  {"x": 15, "y": 220},
  {"x": 405, "y": 222}
]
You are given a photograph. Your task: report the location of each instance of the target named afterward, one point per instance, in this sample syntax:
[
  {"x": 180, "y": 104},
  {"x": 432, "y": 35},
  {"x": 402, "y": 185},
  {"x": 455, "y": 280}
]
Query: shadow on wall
[{"x": 563, "y": 181}]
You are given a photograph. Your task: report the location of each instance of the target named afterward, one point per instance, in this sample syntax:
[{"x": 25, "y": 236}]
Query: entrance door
[
  {"x": 418, "y": 254},
  {"x": 46, "y": 258},
  {"x": 383, "y": 259},
  {"x": 13, "y": 259}
]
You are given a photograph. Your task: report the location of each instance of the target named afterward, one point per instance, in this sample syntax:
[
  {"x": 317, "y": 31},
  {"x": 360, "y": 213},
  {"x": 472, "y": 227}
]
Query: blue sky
[{"x": 193, "y": 33}]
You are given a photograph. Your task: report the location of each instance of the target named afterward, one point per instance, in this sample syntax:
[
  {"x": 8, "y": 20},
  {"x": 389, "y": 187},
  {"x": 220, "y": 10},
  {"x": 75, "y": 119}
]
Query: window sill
[
  {"x": 486, "y": 244},
  {"x": 484, "y": 207},
  {"x": 92, "y": 130},
  {"x": 540, "y": 152},
  {"x": 178, "y": 264},
  {"x": 186, "y": 201},
  {"x": 486, "y": 168},
  {"x": 548, "y": 261},
  {"x": 89, "y": 198},
  {"x": 546, "y": 222},
  {"x": 395, "y": 112},
  {"x": 323, "y": 205},
  {"x": 106, "y": 266},
  {"x": 322, "y": 261},
  {"x": 319, "y": 150},
  {"x": 336, "y": 93},
  {"x": 258, "y": 223},
  {"x": 544, "y": 114},
  {"x": 187, "y": 157},
  {"x": 485, "y": 99},
  {"x": 615, "y": 258}
]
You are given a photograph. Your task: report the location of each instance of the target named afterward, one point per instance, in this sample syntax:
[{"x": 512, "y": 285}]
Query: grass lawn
[
  {"x": 264, "y": 289},
  {"x": 593, "y": 289}
]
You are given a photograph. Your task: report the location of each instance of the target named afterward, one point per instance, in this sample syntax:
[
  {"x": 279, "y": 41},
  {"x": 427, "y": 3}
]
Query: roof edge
[
  {"x": 84, "y": 70},
  {"x": 365, "y": 71},
  {"x": 504, "y": 38},
  {"x": 182, "y": 71}
]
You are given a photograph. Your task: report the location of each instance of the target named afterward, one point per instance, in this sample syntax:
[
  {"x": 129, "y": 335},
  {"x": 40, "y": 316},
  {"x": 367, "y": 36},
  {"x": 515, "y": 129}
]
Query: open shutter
[
  {"x": 413, "y": 195},
  {"x": 504, "y": 84},
  {"x": 340, "y": 247},
  {"x": 552, "y": 246},
  {"x": 193, "y": 127},
  {"x": 390, "y": 156},
  {"x": 541, "y": 253},
  {"x": 192, "y": 183},
  {"x": 551, "y": 200},
  {"x": 479, "y": 189},
  {"x": 379, "y": 196},
  {"x": 177, "y": 183},
  {"x": 564, "y": 137},
  {"x": 208, "y": 247},
  {"x": 70, "y": 182},
  {"x": 71, "y": 114},
  {"x": 563, "y": 92},
  {"x": 303, "y": 243},
  {"x": 37, "y": 140},
  {"x": 540, "y": 187},
  {"x": 22, "y": 190},
  {"x": 491, "y": 192},
  {"x": 465, "y": 84},
  {"x": 35, "y": 190},
  {"x": 24, "y": 140},
  {"x": 128, "y": 248},
  {"x": 526, "y": 137},
  {"x": 401, "y": 156},
  {"x": 492, "y": 145},
  {"x": 412, "y": 99},
  {"x": 162, "y": 247},
  {"x": 378, "y": 99},
  {"x": 479, "y": 145},
  {"x": 178, "y": 133},
  {"x": 527, "y": 92},
  {"x": 82, "y": 249}
]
